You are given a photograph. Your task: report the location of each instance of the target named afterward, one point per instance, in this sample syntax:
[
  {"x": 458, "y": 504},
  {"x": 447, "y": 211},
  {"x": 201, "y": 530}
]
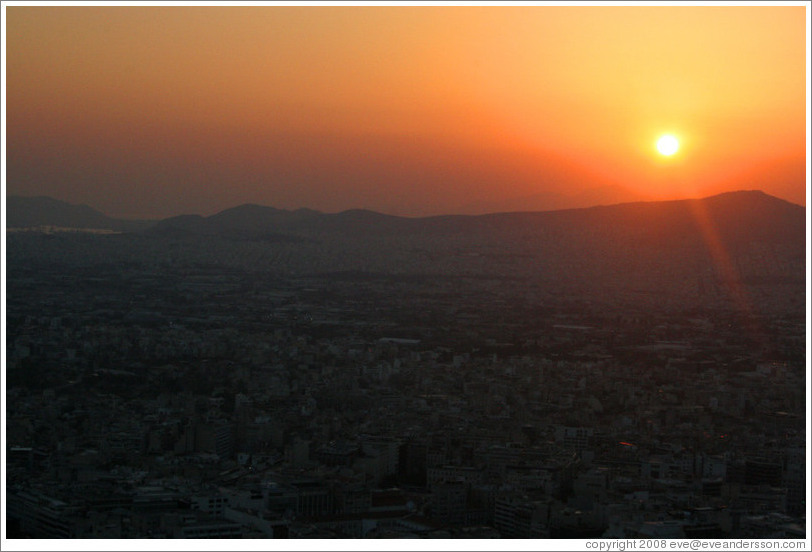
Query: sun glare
[{"x": 667, "y": 144}]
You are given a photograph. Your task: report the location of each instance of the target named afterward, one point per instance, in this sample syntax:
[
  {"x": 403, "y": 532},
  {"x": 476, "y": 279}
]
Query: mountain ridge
[
  {"x": 729, "y": 250},
  {"x": 37, "y": 211},
  {"x": 735, "y": 216}
]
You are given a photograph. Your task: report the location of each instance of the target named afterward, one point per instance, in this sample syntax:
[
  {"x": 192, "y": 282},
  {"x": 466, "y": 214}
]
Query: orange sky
[{"x": 156, "y": 111}]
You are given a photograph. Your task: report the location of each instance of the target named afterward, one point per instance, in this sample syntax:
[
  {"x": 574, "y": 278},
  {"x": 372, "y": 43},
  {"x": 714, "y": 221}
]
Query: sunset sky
[{"x": 410, "y": 110}]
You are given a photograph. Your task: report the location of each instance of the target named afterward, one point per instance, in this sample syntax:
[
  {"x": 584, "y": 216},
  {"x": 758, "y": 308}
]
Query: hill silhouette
[
  {"x": 747, "y": 247},
  {"x": 32, "y": 212},
  {"x": 733, "y": 217},
  {"x": 730, "y": 219}
]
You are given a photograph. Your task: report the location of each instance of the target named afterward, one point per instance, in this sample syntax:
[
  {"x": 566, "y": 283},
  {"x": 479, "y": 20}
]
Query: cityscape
[
  {"x": 161, "y": 385},
  {"x": 352, "y": 275}
]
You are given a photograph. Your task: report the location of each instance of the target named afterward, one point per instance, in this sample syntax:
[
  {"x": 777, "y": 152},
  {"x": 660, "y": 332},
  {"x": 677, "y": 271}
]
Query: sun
[{"x": 667, "y": 144}]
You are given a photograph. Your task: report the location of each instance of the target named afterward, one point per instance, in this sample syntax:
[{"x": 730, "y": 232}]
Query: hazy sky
[{"x": 157, "y": 111}]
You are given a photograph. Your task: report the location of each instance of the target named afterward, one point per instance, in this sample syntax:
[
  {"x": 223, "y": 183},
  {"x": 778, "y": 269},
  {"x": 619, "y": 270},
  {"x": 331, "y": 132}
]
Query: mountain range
[
  {"x": 737, "y": 216},
  {"x": 31, "y": 212},
  {"x": 687, "y": 251},
  {"x": 733, "y": 217}
]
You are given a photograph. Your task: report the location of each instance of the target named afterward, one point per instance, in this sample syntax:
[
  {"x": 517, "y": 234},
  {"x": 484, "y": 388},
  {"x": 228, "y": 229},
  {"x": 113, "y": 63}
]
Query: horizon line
[{"x": 367, "y": 209}]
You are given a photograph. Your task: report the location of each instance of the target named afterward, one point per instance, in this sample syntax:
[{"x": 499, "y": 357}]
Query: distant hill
[
  {"x": 734, "y": 217},
  {"x": 746, "y": 247},
  {"x": 248, "y": 222},
  {"x": 727, "y": 219},
  {"x": 30, "y": 212}
]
